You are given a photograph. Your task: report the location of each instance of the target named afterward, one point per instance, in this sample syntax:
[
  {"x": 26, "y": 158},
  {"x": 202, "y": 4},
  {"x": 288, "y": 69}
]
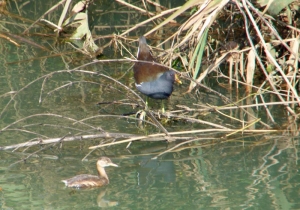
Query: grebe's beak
[{"x": 112, "y": 164}]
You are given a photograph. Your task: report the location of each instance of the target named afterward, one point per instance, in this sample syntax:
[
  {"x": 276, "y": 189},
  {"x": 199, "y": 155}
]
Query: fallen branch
[{"x": 72, "y": 138}]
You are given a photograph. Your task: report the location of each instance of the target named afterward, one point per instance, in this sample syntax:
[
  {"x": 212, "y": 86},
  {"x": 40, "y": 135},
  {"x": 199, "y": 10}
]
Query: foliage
[{"x": 199, "y": 38}]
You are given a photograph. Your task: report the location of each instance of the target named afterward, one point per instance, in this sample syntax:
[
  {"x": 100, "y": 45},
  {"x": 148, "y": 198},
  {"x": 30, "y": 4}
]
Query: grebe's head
[{"x": 105, "y": 161}]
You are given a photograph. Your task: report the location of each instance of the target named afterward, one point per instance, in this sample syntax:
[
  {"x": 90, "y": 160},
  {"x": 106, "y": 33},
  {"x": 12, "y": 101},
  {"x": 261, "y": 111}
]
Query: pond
[{"x": 62, "y": 94}]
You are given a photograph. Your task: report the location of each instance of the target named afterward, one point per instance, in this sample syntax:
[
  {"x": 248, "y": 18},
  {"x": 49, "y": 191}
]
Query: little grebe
[{"x": 86, "y": 180}]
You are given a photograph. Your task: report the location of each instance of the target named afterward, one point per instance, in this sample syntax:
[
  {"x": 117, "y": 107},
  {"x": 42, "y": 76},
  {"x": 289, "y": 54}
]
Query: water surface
[{"x": 245, "y": 172}]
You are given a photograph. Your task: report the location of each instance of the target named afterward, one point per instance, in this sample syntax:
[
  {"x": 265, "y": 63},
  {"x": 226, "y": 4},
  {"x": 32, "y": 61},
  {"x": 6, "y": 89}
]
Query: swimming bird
[{"x": 87, "y": 180}]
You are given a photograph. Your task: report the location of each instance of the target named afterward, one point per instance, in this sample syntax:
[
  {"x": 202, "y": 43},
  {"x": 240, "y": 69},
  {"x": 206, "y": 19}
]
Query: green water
[
  {"x": 204, "y": 174},
  {"x": 194, "y": 179}
]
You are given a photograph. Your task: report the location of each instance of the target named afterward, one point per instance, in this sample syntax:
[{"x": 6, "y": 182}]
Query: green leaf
[{"x": 276, "y": 6}]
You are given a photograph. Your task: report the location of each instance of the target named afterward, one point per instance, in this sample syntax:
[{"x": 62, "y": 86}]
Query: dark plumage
[{"x": 152, "y": 80}]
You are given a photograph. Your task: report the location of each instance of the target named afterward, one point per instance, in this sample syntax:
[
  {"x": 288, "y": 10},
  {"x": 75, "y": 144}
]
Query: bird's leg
[
  {"x": 146, "y": 103},
  {"x": 162, "y": 107}
]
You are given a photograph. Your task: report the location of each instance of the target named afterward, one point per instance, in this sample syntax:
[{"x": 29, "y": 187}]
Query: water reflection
[
  {"x": 102, "y": 202},
  {"x": 261, "y": 172},
  {"x": 95, "y": 196},
  {"x": 150, "y": 171},
  {"x": 225, "y": 176}
]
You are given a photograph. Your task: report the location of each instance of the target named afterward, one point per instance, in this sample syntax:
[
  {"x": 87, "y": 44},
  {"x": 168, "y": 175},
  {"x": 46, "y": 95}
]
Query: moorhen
[{"x": 155, "y": 81}]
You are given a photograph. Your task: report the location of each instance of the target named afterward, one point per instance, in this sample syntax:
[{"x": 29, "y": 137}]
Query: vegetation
[{"x": 249, "y": 47}]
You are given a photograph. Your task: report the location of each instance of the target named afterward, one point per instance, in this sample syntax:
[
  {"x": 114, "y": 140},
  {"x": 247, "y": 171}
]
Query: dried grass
[{"x": 193, "y": 45}]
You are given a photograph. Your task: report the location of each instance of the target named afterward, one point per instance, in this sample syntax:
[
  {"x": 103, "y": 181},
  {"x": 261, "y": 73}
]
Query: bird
[
  {"x": 87, "y": 180},
  {"x": 155, "y": 81}
]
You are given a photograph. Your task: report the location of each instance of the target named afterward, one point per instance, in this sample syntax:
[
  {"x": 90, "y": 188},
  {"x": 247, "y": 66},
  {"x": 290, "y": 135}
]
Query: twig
[
  {"x": 73, "y": 138},
  {"x": 180, "y": 144}
]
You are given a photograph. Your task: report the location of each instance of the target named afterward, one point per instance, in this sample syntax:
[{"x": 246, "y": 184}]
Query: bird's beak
[
  {"x": 112, "y": 164},
  {"x": 177, "y": 79}
]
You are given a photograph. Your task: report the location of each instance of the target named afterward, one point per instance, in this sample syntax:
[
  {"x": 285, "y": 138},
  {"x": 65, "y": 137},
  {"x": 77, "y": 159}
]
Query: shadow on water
[
  {"x": 224, "y": 175},
  {"x": 227, "y": 167}
]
